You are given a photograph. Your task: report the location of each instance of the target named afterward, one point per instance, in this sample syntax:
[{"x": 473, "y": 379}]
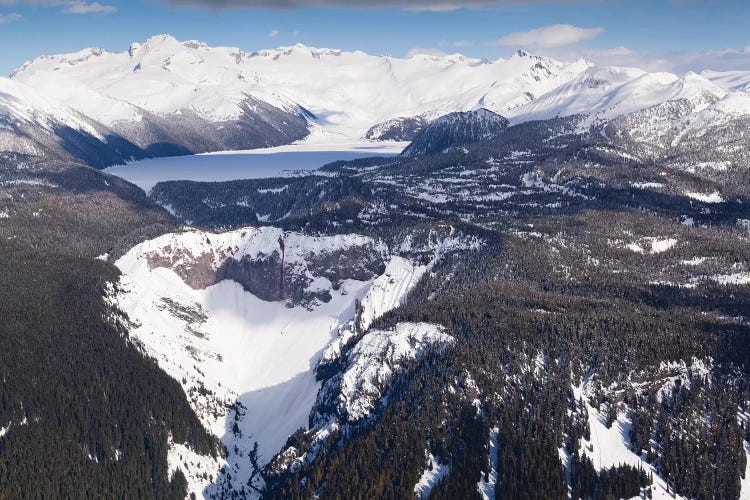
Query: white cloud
[
  {"x": 456, "y": 43},
  {"x": 81, "y": 7},
  {"x": 673, "y": 62},
  {"x": 427, "y": 51},
  {"x": 556, "y": 35},
  {"x": 9, "y": 18},
  {"x": 69, "y": 6},
  {"x": 273, "y": 33},
  {"x": 414, "y": 5}
]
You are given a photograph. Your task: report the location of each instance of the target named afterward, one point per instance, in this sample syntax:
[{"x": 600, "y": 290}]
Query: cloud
[
  {"x": 427, "y": 51},
  {"x": 274, "y": 33},
  {"x": 415, "y": 5},
  {"x": 556, "y": 35},
  {"x": 69, "y": 6},
  {"x": 81, "y": 7},
  {"x": 456, "y": 43},
  {"x": 9, "y": 18},
  {"x": 715, "y": 60},
  {"x": 674, "y": 62}
]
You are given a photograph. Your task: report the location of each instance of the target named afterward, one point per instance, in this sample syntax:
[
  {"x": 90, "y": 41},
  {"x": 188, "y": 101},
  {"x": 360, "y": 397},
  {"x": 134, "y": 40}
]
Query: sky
[{"x": 663, "y": 35}]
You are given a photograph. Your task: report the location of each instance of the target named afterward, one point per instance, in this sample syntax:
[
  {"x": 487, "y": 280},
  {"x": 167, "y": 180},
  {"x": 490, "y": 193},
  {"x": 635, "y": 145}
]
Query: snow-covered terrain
[
  {"x": 164, "y": 97},
  {"x": 23, "y": 104},
  {"x": 488, "y": 482},
  {"x": 347, "y": 92},
  {"x": 38, "y": 126},
  {"x": 247, "y": 364},
  {"x": 745, "y": 491},
  {"x": 730, "y": 80},
  {"x": 371, "y": 363},
  {"x": 605, "y": 93},
  {"x": 251, "y": 164},
  {"x": 610, "y": 446},
  {"x": 431, "y": 476}
]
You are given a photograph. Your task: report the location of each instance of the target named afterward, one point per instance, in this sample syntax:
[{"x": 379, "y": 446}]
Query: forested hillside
[
  {"x": 83, "y": 412},
  {"x": 599, "y": 327}
]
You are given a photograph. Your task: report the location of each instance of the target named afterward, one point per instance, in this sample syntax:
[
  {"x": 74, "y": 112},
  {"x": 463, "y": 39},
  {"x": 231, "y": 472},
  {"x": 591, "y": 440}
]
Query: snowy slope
[
  {"x": 730, "y": 80},
  {"x": 611, "y": 447},
  {"x": 606, "y": 93},
  {"x": 375, "y": 358},
  {"x": 432, "y": 475},
  {"x": 242, "y": 359},
  {"x": 20, "y": 104},
  {"x": 34, "y": 125},
  {"x": 348, "y": 92}
]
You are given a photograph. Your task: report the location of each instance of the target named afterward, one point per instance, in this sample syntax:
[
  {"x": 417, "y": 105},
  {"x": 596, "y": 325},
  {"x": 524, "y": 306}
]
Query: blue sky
[{"x": 673, "y": 35}]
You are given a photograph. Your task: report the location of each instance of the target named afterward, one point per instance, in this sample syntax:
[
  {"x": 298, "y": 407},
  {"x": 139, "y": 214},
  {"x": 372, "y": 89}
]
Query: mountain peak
[{"x": 159, "y": 39}]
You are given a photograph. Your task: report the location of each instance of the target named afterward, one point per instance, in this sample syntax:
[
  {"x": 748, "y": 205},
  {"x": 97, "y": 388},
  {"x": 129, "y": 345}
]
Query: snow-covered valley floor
[
  {"x": 250, "y": 164},
  {"x": 246, "y": 364}
]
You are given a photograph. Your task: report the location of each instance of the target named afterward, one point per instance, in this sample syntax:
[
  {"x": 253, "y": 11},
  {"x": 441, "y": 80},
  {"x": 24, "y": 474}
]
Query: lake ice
[{"x": 251, "y": 164}]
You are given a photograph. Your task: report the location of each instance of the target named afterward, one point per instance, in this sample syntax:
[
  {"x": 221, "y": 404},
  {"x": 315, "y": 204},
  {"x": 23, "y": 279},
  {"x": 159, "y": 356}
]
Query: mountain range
[
  {"x": 544, "y": 296},
  {"x": 165, "y": 97}
]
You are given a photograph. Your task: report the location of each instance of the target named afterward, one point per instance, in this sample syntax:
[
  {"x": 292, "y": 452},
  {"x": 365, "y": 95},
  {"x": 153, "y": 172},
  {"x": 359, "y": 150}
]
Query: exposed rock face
[
  {"x": 304, "y": 272},
  {"x": 398, "y": 129}
]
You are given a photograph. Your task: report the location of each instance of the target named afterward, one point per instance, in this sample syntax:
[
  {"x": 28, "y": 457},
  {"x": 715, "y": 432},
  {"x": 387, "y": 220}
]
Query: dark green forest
[{"x": 88, "y": 414}]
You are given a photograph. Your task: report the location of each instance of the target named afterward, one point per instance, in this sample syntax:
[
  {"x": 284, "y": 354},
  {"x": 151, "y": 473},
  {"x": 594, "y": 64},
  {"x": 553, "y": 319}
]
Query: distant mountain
[
  {"x": 603, "y": 93},
  {"x": 32, "y": 125},
  {"x": 456, "y": 129},
  {"x": 730, "y": 80},
  {"x": 188, "y": 95}
]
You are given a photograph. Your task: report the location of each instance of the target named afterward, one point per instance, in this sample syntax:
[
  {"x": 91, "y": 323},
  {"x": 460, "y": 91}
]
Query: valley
[{"x": 431, "y": 277}]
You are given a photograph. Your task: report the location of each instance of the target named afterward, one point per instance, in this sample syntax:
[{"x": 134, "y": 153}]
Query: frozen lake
[{"x": 251, "y": 164}]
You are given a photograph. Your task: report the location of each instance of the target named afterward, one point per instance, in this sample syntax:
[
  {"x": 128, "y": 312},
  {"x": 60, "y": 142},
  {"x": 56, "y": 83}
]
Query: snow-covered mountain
[
  {"x": 603, "y": 93},
  {"x": 33, "y": 125},
  {"x": 165, "y": 83},
  {"x": 455, "y": 129},
  {"x": 730, "y": 80},
  {"x": 243, "y": 318},
  {"x": 166, "y": 97},
  {"x": 402, "y": 128},
  {"x": 565, "y": 285},
  {"x": 243, "y": 357}
]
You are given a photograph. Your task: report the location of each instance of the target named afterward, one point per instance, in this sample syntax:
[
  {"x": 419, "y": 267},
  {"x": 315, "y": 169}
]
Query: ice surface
[{"x": 253, "y": 164}]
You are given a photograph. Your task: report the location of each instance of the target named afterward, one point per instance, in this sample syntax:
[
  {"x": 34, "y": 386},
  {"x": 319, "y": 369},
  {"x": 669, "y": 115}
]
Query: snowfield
[
  {"x": 247, "y": 364},
  {"x": 610, "y": 447},
  {"x": 376, "y": 357},
  {"x": 347, "y": 92},
  {"x": 431, "y": 476},
  {"x": 22, "y": 104},
  {"x": 488, "y": 482}
]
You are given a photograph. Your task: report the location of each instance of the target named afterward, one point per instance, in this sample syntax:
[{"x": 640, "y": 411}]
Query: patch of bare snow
[
  {"x": 488, "y": 481},
  {"x": 732, "y": 279},
  {"x": 376, "y": 358},
  {"x": 714, "y": 197},
  {"x": 431, "y": 476},
  {"x": 610, "y": 447}
]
